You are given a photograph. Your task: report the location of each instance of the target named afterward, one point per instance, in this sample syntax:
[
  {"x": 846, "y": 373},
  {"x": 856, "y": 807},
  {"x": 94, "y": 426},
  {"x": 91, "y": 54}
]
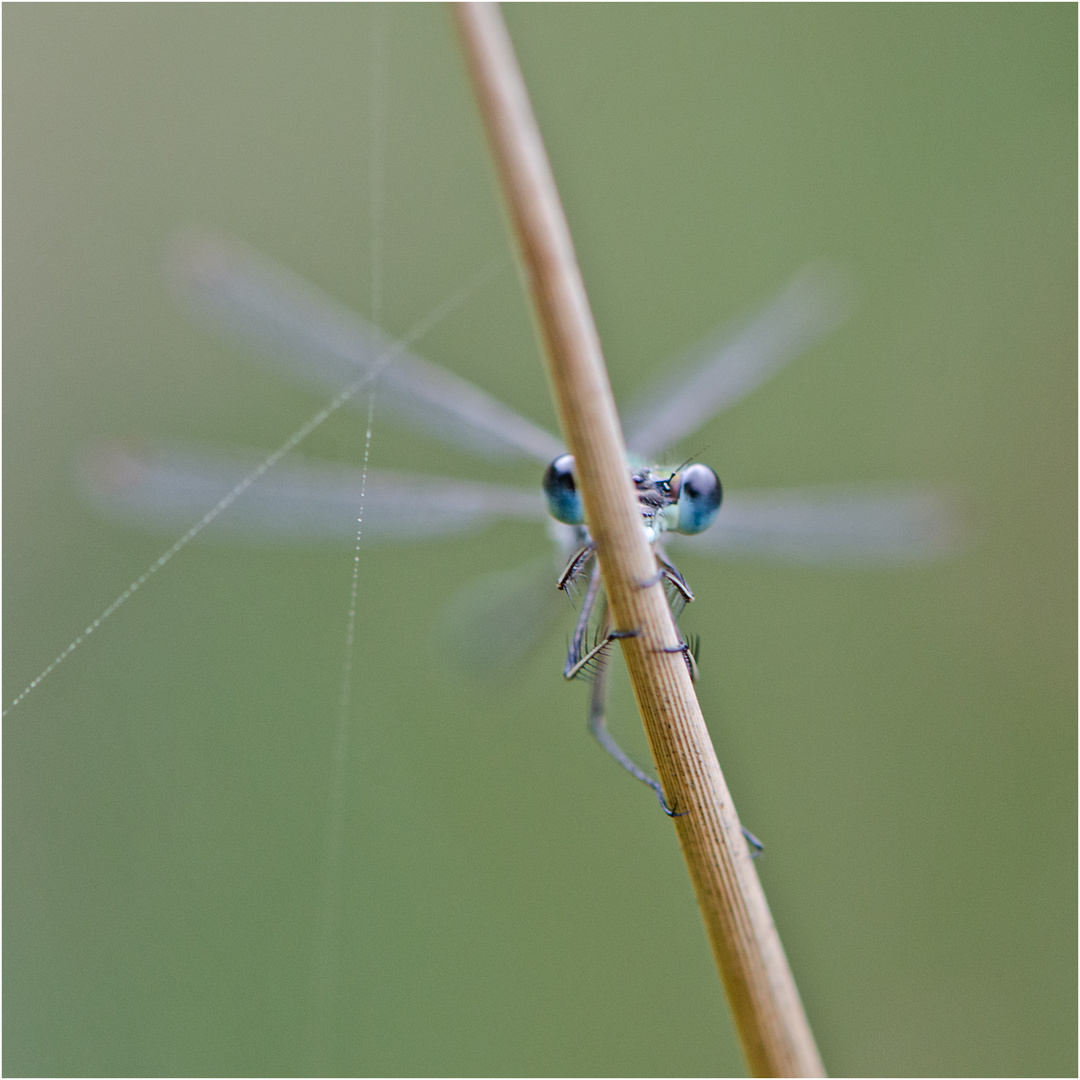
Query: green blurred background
[{"x": 902, "y": 739}]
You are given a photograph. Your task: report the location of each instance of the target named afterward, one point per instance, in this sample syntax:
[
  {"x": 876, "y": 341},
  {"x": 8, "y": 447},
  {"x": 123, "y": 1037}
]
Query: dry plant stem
[{"x": 768, "y": 1014}]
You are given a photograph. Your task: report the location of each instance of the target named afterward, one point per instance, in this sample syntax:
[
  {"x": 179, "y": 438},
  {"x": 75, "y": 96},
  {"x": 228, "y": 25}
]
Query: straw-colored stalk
[{"x": 768, "y": 1014}]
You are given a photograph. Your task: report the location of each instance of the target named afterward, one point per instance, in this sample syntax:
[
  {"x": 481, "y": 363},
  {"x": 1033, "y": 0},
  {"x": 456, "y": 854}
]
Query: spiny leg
[
  {"x": 671, "y": 572},
  {"x": 578, "y": 655},
  {"x": 689, "y": 650},
  {"x": 592, "y": 663},
  {"x": 574, "y": 566},
  {"x": 668, "y": 572}
]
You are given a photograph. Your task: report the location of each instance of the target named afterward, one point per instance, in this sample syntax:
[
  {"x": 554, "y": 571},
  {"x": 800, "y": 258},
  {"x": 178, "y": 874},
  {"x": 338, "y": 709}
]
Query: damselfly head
[{"x": 685, "y": 501}]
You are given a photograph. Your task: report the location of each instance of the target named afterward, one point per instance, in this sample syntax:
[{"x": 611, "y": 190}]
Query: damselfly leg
[{"x": 583, "y": 659}]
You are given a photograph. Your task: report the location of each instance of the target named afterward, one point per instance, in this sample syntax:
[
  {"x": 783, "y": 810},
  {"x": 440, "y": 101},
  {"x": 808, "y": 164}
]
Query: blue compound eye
[
  {"x": 697, "y": 489},
  {"x": 560, "y": 490}
]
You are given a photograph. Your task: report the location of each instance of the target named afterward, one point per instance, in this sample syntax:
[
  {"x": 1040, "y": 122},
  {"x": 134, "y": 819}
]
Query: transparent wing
[
  {"x": 493, "y": 624},
  {"x": 727, "y": 366},
  {"x": 298, "y": 501},
  {"x": 841, "y": 526},
  {"x": 326, "y": 346}
]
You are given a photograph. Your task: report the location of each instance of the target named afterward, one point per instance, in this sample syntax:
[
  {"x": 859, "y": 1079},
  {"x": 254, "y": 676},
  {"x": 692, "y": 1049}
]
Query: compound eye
[
  {"x": 698, "y": 490},
  {"x": 560, "y": 490}
]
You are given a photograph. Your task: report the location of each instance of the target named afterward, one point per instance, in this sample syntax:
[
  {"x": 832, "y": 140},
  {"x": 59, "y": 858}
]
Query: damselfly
[{"x": 313, "y": 339}]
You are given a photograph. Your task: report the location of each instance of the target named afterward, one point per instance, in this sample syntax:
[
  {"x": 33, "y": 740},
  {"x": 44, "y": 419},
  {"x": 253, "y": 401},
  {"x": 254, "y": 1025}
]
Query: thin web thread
[
  {"x": 323, "y": 1028},
  {"x": 322, "y": 1025},
  {"x": 424, "y": 326}
]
